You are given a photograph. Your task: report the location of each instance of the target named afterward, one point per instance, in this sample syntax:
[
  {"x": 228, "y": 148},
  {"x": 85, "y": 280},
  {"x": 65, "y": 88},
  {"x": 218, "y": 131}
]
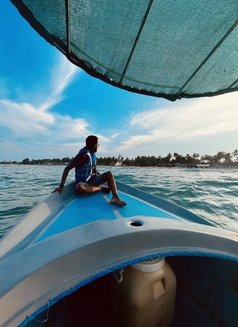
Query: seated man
[{"x": 87, "y": 178}]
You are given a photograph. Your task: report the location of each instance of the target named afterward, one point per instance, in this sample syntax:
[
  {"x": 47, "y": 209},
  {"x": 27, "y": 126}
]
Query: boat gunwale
[{"x": 101, "y": 247}]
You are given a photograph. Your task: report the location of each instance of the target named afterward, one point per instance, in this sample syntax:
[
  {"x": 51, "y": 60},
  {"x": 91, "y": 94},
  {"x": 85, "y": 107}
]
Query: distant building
[
  {"x": 203, "y": 165},
  {"x": 118, "y": 163}
]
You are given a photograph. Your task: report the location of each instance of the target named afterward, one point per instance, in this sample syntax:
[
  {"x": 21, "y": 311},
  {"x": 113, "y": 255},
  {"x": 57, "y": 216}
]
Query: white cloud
[
  {"x": 35, "y": 123},
  {"x": 193, "y": 120},
  {"x": 62, "y": 74},
  {"x": 115, "y": 135},
  {"x": 176, "y": 127},
  {"x": 23, "y": 118},
  {"x": 36, "y": 132},
  {"x": 36, "y": 120}
]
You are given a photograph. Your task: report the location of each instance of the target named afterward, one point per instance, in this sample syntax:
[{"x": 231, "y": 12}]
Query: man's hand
[{"x": 58, "y": 189}]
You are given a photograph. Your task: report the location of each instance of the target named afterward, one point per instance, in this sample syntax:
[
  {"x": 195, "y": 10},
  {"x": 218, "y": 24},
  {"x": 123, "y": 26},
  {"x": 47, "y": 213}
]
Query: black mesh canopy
[{"x": 165, "y": 48}]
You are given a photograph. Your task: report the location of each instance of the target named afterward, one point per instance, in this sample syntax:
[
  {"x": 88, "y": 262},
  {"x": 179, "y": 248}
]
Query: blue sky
[{"x": 48, "y": 106}]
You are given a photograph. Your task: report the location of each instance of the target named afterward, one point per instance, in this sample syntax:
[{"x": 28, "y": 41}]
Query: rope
[{"x": 29, "y": 318}]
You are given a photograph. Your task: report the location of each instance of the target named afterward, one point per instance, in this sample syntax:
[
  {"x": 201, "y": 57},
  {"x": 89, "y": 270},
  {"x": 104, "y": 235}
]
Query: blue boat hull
[{"x": 68, "y": 242}]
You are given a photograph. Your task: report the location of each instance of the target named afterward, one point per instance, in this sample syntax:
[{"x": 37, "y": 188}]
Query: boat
[
  {"x": 70, "y": 251},
  {"x": 78, "y": 260}
]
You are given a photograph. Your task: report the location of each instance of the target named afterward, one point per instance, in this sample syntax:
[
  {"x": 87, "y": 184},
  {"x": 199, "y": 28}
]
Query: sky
[{"x": 48, "y": 107}]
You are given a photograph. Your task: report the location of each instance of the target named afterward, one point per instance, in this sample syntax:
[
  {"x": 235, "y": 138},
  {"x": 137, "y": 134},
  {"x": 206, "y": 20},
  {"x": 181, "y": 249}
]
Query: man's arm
[
  {"x": 77, "y": 161},
  {"x": 63, "y": 178}
]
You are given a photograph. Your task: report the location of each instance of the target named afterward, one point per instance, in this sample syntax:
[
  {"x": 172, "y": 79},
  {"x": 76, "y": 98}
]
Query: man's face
[{"x": 95, "y": 148}]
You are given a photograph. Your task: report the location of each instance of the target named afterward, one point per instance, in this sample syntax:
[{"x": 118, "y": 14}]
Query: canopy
[{"x": 165, "y": 48}]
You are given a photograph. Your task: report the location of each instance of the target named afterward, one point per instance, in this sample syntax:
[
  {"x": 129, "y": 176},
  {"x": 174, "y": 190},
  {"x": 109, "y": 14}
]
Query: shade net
[{"x": 165, "y": 48}]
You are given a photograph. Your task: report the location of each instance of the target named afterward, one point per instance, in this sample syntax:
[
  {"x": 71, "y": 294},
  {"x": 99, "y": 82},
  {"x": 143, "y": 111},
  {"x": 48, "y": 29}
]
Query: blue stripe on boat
[
  {"x": 80, "y": 211},
  {"x": 85, "y": 209},
  {"x": 141, "y": 208}
]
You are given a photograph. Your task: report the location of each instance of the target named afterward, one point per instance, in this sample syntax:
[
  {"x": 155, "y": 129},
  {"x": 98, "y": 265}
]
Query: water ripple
[{"x": 210, "y": 193}]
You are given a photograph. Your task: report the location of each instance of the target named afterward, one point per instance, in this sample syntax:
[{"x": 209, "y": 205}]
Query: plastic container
[{"x": 145, "y": 296}]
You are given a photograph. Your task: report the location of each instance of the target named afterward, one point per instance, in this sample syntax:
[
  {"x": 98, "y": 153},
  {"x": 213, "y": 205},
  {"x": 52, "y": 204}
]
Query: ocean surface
[{"x": 209, "y": 193}]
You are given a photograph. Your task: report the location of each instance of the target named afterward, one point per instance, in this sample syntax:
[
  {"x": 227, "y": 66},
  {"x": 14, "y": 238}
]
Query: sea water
[{"x": 209, "y": 193}]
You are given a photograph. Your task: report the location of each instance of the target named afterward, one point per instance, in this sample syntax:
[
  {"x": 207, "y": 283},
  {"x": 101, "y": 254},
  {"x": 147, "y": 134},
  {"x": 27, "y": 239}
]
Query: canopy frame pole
[
  {"x": 234, "y": 83},
  {"x": 208, "y": 56},
  {"x": 136, "y": 39},
  {"x": 67, "y": 24}
]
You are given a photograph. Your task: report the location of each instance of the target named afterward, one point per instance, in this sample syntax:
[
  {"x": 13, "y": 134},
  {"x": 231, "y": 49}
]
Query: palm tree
[
  {"x": 235, "y": 154},
  {"x": 227, "y": 157}
]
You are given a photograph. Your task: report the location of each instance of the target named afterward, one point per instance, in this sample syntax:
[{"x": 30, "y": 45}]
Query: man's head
[{"x": 92, "y": 143}]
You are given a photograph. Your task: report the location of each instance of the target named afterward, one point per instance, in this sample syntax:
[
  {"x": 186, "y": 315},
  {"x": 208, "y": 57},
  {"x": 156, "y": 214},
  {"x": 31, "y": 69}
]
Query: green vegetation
[
  {"x": 55, "y": 161},
  {"x": 221, "y": 159}
]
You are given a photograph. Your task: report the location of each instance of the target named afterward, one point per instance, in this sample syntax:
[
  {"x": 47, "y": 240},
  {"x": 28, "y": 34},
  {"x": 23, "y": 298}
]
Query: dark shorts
[{"x": 94, "y": 181}]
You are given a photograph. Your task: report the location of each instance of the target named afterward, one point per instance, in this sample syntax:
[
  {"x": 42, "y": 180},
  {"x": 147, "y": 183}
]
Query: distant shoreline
[
  {"x": 130, "y": 166},
  {"x": 219, "y": 160}
]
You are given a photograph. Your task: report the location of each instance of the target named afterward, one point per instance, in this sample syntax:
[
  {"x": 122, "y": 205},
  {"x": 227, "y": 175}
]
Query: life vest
[{"x": 84, "y": 172}]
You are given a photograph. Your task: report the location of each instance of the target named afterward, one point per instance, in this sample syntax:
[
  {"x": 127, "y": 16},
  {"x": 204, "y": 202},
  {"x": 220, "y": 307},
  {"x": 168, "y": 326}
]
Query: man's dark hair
[{"x": 91, "y": 140}]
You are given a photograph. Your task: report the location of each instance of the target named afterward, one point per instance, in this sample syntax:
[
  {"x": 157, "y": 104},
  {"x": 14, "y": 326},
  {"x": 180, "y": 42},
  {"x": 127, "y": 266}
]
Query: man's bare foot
[
  {"x": 117, "y": 201},
  {"x": 105, "y": 189}
]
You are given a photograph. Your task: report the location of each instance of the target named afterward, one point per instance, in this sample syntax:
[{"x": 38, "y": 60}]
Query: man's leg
[
  {"x": 85, "y": 188},
  {"x": 93, "y": 186},
  {"x": 108, "y": 177},
  {"x": 105, "y": 177}
]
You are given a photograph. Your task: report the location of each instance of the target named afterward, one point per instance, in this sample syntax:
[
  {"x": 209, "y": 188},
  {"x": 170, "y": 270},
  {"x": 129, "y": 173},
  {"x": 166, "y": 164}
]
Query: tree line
[{"x": 170, "y": 160}]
